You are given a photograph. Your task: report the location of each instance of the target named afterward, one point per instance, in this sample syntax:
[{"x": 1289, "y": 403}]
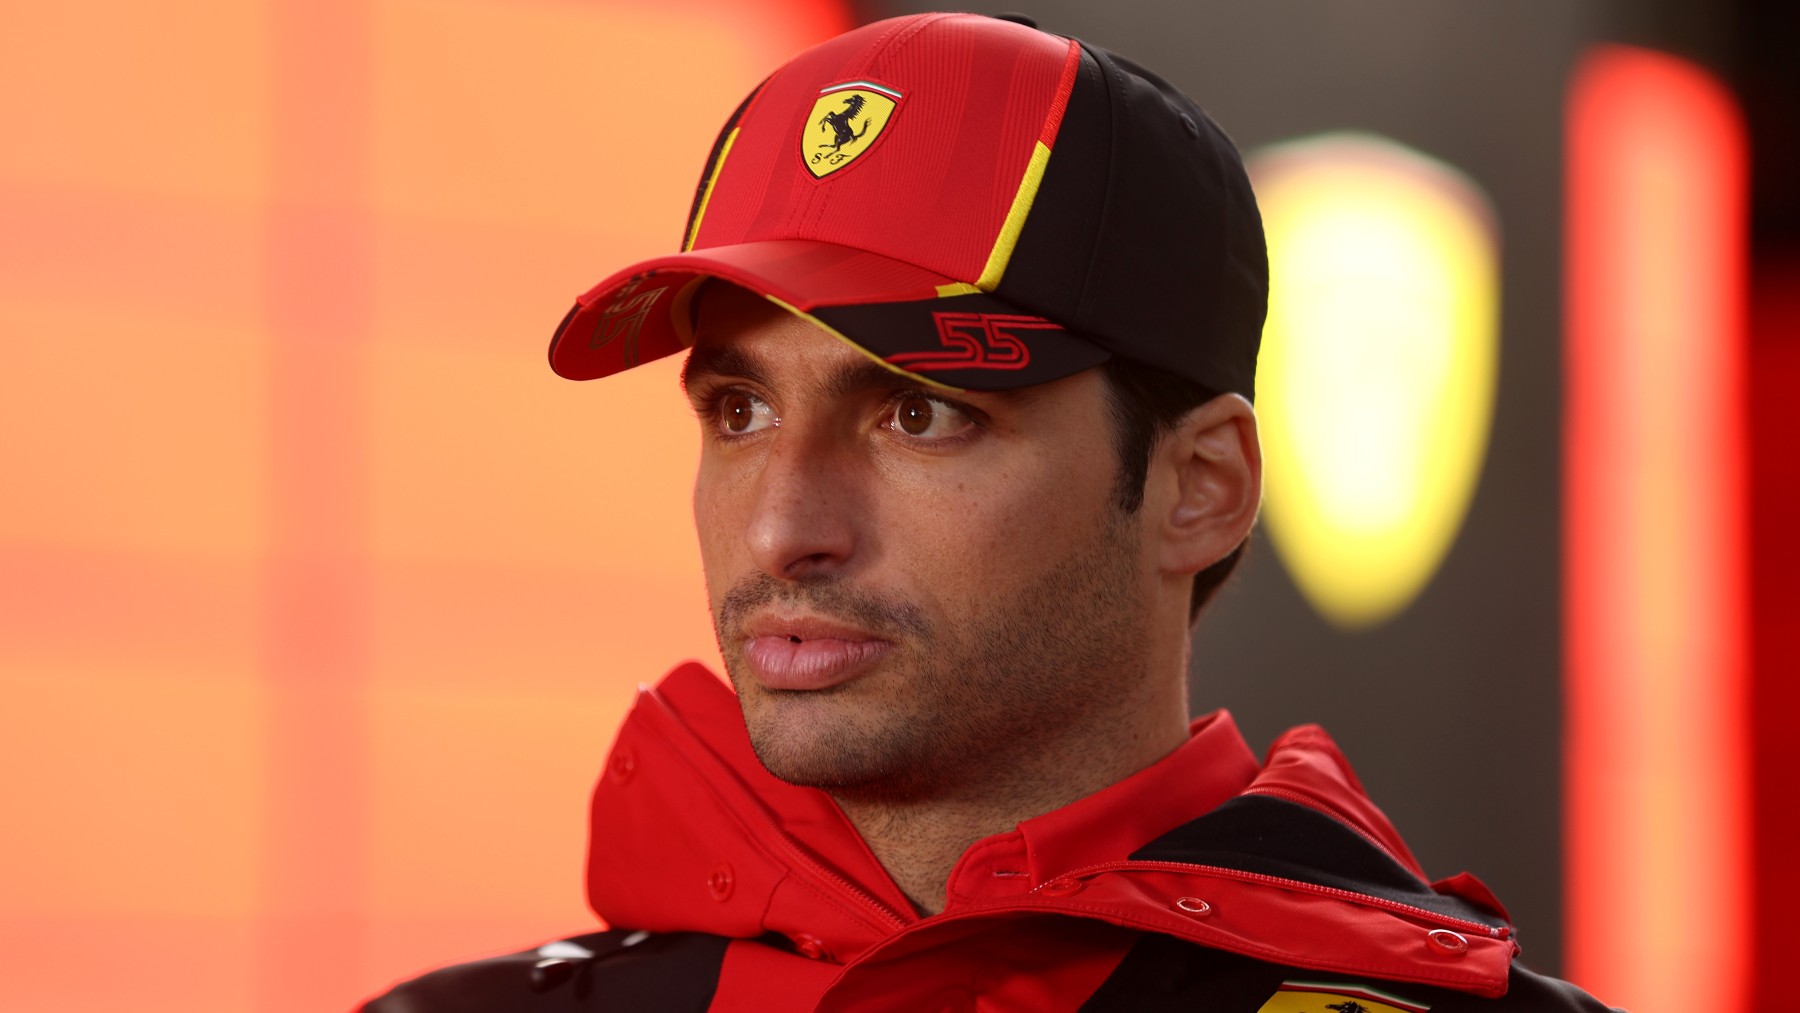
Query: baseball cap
[{"x": 971, "y": 202}]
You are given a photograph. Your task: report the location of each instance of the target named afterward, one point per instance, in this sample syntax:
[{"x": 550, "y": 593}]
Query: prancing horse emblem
[
  {"x": 840, "y": 122},
  {"x": 845, "y": 122}
]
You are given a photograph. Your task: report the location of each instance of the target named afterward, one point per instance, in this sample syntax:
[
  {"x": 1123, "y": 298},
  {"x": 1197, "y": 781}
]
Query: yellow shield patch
[
  {"x": 1329, "y": 997},
  {"x": 844, "y": 123}
]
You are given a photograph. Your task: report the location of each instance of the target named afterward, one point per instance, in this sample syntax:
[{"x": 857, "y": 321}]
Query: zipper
[
  {"x": 1477, "y": 928},
  {"x": 799, "y": 857}
]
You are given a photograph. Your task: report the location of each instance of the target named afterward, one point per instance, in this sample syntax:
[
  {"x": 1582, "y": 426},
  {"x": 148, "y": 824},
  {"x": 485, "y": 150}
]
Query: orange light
[{"x": 1654, "y": 529}]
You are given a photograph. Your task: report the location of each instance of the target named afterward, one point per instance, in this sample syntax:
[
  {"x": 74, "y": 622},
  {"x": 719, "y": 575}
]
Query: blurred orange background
[{"x": 318, "y": 613}]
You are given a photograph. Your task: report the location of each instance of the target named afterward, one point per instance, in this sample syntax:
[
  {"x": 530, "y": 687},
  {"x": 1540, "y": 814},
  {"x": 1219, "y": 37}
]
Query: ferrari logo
[
  {"x": 844, "y": 123},
  {"x": 1330, "y": 997}
]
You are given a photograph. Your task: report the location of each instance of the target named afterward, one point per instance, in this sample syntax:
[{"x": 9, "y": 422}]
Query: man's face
[{"x": 914, "y": 592}]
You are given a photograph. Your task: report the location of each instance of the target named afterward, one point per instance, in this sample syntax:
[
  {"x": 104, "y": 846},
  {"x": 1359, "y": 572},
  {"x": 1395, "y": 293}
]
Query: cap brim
[{"x": 932, "y": 328}]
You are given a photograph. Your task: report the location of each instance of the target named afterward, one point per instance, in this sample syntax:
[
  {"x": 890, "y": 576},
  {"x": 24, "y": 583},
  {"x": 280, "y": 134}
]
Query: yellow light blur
[{"x": 1375, "y": 388}]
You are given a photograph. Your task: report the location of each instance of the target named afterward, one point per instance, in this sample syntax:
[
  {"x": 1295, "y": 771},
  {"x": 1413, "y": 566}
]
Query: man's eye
[
  {"x": 739, "y": 413},
  {"x": 927, "y": 418}
]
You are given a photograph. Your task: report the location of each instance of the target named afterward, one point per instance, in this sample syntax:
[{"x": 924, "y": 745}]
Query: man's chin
[
  {"x": 807, "y": 742},
  {"x": 806, "y": 766}
]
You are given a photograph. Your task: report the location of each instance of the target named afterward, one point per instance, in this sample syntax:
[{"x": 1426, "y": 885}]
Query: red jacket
[{"x": 1204, "y": 881}]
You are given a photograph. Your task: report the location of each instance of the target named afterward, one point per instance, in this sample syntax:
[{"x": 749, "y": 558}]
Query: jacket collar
[
  {"x": 1213, "y": 765},
  {"x": 690, "y": 833}
]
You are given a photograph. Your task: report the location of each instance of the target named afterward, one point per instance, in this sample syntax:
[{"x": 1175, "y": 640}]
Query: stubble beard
[{"x": 966, "y": 705}]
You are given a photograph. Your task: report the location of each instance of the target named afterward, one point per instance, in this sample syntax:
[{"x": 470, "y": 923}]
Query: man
[{"x": 974, "y": 312}]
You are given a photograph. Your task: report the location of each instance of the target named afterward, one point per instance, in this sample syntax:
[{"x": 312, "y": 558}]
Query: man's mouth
[{"x": 808, "y": 652}]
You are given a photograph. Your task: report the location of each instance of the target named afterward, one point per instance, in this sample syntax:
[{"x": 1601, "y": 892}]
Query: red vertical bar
[
  {"x": 1775, "y": 503},
  {"x": 319, "y": 303},
  {"x": 1655, "y": 585}
]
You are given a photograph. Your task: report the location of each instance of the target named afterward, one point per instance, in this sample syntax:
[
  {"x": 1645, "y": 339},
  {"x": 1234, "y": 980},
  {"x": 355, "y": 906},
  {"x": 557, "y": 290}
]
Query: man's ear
[{"x": 1205, "y": 485}]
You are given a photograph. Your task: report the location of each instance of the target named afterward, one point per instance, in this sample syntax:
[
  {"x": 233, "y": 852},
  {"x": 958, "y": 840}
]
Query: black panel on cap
[
  {"x": 1057, "y": 248},
  {"x": 1184, "y": 282},
  {"x": 1144, "y": 234},
  {"x": 1016, "y": 18}
]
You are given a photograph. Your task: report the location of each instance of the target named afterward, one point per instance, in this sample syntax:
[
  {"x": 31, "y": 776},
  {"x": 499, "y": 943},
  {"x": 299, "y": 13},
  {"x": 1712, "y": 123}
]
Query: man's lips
[{"x": 807, "y": 653}]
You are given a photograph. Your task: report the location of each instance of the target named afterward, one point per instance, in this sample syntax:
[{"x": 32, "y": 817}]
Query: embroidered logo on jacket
[
  {"x": 1331, "y": 997},
  {"x": 844, "y": 123}
]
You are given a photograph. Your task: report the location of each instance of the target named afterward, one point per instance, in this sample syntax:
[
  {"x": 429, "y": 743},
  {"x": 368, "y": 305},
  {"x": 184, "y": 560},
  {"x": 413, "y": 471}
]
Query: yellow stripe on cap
[
  {"x": 1015, "y": 220},
  {"x": 883, "y": 363},
  {"x": 706, "y": 195},
  {"x": 956, "y": 288}
]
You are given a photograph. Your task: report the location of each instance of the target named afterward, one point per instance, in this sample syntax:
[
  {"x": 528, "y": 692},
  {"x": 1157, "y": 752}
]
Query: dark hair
[{"x": 1145, "y": 404}]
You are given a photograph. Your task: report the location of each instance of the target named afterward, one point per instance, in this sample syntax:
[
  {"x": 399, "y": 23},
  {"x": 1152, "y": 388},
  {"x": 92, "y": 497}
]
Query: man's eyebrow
[
  {"x": 866, "y": 374},
  {"x": 722, "y": 360}
]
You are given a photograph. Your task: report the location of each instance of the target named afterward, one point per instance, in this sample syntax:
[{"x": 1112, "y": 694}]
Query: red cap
[
  {"x": 893, "y": 164},
  {"x": 896, "y": 186}
]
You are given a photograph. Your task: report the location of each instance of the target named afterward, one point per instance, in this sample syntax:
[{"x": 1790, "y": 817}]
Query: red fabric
[
  {"x": 1212, "y": 766},
  {"x": 691, "y": 803},
  {"x": 977, "y": 95},
  {"x": 1060, "y": 104},
  {"x": 690, "y": 833},
  {"x": 802, "y": 274},
  {"x": 1466, "y": 886},
  {"x": 1775, "y": 600},
  {"x": 958, "y": 142}
]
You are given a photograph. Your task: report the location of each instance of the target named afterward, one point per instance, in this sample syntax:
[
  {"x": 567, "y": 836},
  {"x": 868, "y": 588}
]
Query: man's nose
[{"x": 808, "y": 499}]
